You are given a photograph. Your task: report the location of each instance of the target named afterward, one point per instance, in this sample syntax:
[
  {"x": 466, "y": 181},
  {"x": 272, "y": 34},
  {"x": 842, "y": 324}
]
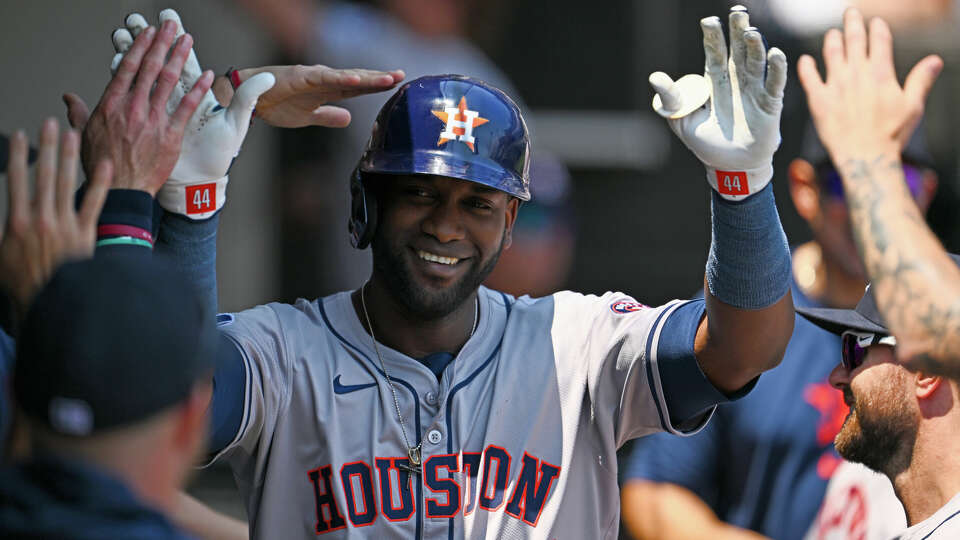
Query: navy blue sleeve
[
  {"x": 127, "y": 207},
  {"x": 688, "y": 392},
  {"x": 229, "y": 389},
  {"x": 692, "y": 462},
  {"x": 192, "y": 246}
]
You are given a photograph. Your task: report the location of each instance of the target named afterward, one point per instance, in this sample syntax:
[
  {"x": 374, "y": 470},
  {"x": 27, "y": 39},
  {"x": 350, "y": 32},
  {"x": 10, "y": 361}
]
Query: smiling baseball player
[{"x": 423, "y": 405}]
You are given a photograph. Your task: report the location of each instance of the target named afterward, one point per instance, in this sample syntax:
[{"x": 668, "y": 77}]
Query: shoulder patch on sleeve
[
  {"x": 624, "y": 306},
  {"x": 224, "y": 319}
]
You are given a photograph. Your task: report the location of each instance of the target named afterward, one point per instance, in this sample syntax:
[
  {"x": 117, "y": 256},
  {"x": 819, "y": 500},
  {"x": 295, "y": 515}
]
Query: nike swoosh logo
[{"x": 347, "y": 388}]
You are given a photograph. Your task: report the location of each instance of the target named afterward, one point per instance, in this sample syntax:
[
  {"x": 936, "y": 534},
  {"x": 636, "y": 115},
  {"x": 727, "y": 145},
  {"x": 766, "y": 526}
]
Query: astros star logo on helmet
[{"x": 459, "y": 122}]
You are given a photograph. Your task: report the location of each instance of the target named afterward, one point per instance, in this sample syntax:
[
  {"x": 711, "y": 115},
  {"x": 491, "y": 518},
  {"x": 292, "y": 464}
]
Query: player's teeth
[{"x": 437, "y": 258}]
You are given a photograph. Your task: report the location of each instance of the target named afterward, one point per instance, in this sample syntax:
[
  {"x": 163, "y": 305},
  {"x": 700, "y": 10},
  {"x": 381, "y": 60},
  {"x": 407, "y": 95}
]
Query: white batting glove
[
  {"x": 197, "y": 187},
  {"x": 730, "y": 117}
]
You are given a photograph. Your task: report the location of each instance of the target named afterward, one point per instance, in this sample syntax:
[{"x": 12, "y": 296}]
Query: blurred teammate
[{"x": 113, "y": 381}]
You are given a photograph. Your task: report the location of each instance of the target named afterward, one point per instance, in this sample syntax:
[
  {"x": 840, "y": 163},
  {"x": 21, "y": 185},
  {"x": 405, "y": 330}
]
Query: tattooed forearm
[{"x": 917, "y": 287}]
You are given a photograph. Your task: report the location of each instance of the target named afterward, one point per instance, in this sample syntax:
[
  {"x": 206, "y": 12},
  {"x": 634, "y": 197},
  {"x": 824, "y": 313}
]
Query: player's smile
[
  {"x": 439, "y": 238},
  {"x": 440, "y": 267},
  {"x": 440, "y": 259}
]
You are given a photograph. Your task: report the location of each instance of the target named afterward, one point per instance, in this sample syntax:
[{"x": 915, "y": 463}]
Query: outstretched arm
[
  {"x": 301, "y": 94},
  {"x": 47, "y": 231},
  {"x": 865, "y": 119},
  {"x": 206, "y": 523},
  {"x": 653, "y": 510},
  {"x": 730, "y": 119}
]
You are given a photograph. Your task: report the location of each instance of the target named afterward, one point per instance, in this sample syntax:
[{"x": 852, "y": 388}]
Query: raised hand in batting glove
[
  {"x": 214, "y": 134},
  {"x": 730, "y": 117}
]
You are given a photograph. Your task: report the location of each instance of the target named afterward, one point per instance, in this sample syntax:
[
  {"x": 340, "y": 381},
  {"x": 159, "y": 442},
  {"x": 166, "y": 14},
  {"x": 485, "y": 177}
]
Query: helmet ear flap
[{"x": 363, "y": 212}]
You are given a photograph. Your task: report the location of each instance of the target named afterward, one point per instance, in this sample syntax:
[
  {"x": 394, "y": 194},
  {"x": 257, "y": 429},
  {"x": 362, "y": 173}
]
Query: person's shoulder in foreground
[{"x": 110, "y": 375}]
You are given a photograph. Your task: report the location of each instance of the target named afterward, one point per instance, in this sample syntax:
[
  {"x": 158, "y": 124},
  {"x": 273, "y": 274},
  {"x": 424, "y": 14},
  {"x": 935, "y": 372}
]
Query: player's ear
[
  {"x": 804, "y": 189},
  {"x": 926, "y": 384},
  {"x": 510, "y": 217}
]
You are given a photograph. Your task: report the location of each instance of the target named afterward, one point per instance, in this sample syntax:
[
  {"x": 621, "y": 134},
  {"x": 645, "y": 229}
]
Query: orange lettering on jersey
[{"x": 455, "y": 484}]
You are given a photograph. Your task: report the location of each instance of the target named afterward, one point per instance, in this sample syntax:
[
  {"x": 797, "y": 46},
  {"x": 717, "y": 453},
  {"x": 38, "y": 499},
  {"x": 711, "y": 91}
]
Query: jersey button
[
  {"x": 432, "y": 398},
  {"x": 434, "y": 436}
]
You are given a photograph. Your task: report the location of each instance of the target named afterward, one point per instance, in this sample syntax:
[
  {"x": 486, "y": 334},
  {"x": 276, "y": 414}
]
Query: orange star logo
[{"x": 459, "y": 122}]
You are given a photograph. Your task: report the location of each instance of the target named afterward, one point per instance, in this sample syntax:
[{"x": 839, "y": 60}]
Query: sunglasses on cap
[{"x": 854, "y": 346}]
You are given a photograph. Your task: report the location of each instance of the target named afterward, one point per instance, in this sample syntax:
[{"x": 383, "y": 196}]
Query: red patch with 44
[
  {"x": 627, "y": 306},
  {"x": 732, "y": 183}
]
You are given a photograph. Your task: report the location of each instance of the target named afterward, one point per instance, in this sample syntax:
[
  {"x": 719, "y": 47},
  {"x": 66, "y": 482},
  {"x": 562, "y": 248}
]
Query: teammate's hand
[
  {"x": 41, "y": 234},
  {"x": 737, "y": 130},
  {"x": 300, "y": 96},
  {"x": 213, "y": 136},
  {"x": 861, "y": 106},
  {"x": 131, "y": 125}
]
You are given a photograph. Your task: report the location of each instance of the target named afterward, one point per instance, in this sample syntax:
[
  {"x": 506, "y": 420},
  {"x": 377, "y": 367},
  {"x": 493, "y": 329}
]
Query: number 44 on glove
[{"x": 730, "y": 117}]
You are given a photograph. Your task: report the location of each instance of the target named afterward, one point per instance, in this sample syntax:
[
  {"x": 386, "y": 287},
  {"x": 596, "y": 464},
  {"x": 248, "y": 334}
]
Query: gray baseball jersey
[
  {"x": 942, "y": 524},
  {"x": 519, "y": 435}
]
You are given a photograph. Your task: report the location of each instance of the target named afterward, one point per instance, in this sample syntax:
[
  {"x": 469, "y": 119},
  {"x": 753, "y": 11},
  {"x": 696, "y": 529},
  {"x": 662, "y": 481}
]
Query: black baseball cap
[
  {"x": 864, "y": 318},
  {"x": 111, "y": 341}
]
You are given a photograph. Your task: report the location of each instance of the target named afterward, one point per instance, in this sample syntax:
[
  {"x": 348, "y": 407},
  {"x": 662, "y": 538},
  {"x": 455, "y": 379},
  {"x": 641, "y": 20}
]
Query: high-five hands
[
  {"x": 132, "y": 126},
  {"x": 289, "y": 96},
  {"x": 730, "y": 117},
  {"x": 45, "y": 232},
  {"x": 213, "y": 136},
  {"x": 859, "y": 108}
]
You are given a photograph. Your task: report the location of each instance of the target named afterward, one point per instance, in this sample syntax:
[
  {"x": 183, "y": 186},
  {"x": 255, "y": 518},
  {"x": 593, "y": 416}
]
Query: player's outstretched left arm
[{"x": 730, "y": 119}]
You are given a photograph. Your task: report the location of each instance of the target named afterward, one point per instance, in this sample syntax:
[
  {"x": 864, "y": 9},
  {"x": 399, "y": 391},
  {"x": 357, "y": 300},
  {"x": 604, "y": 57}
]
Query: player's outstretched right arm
[{"x": 730, "y": 119}]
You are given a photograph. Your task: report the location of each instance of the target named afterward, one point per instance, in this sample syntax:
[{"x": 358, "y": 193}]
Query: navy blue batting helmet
[{"x": 444, "y": 125}]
